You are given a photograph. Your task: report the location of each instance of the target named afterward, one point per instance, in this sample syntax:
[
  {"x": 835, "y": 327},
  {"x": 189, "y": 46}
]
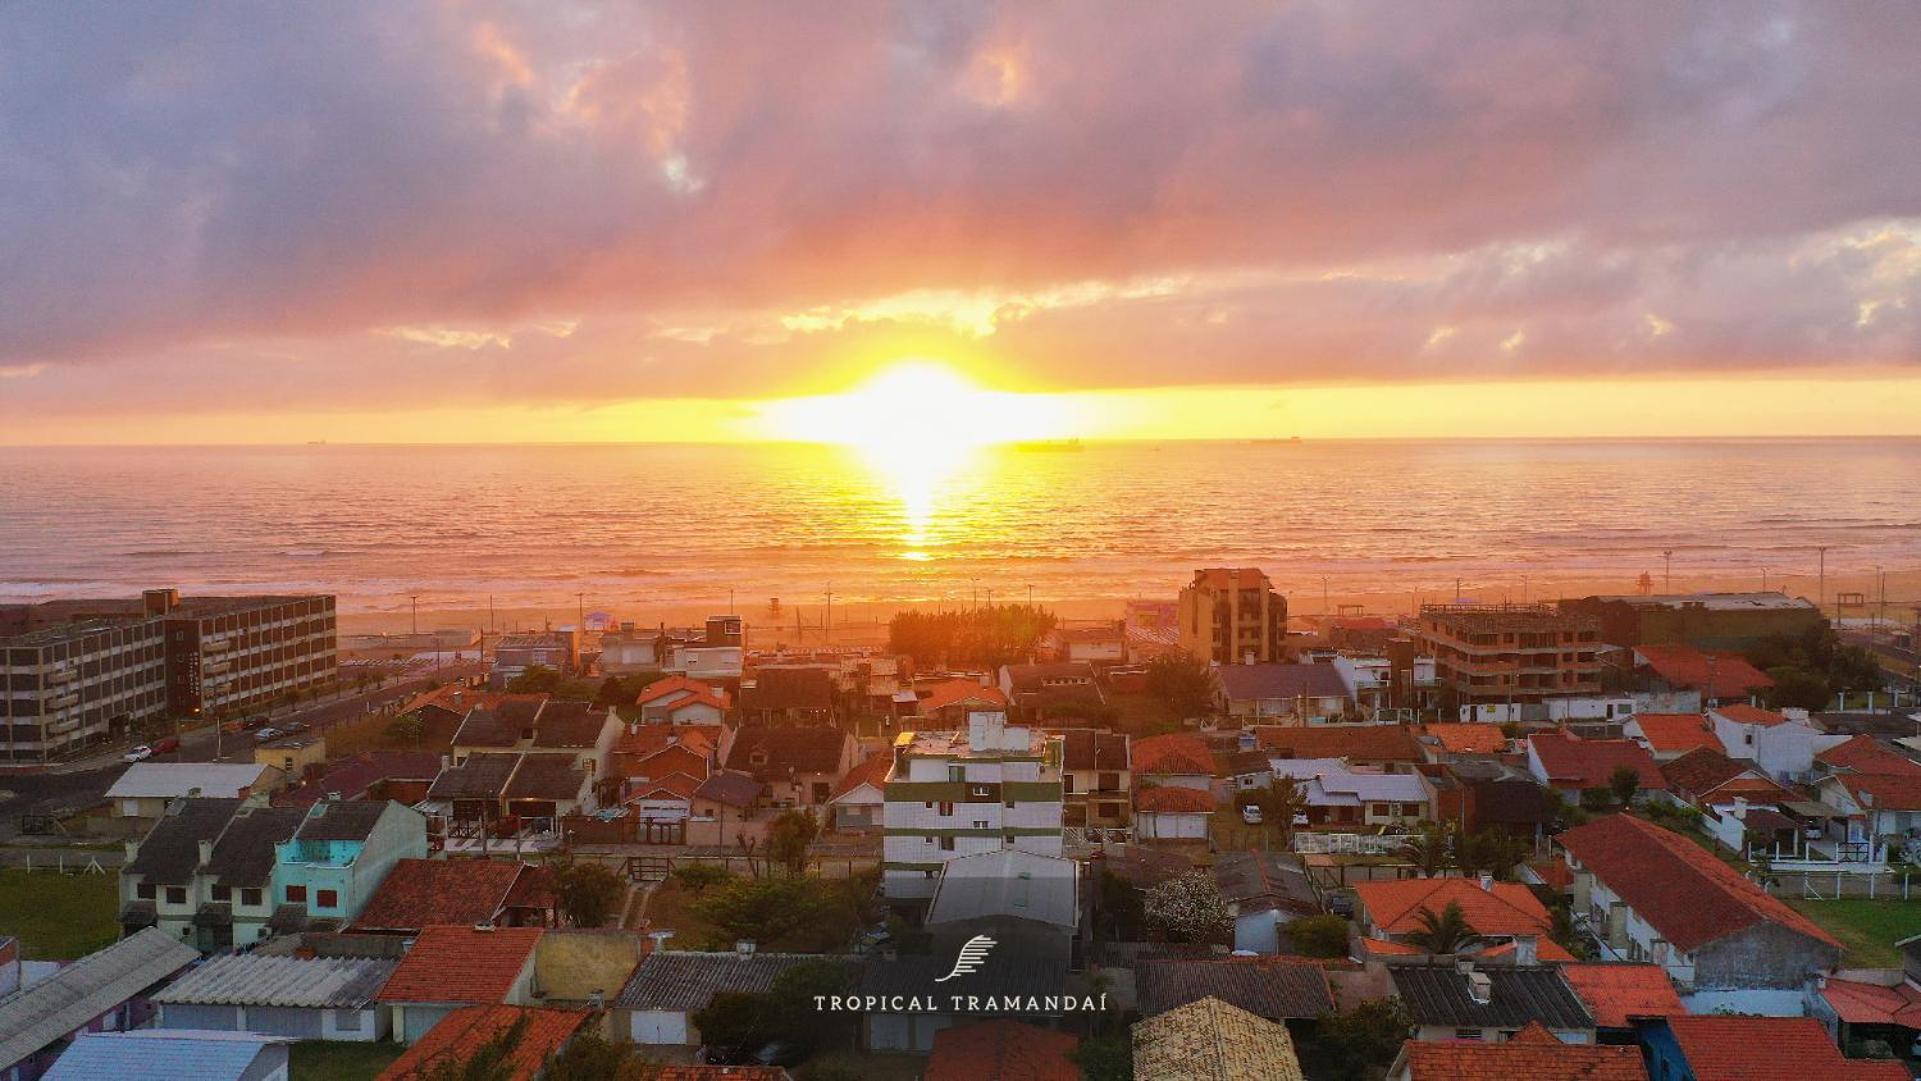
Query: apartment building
[
  {"x": 953, "y": 794},
  {"x": 65, "y": 686},
  {"x": 1232, "y": 616},
  {"x": 228, "y": 654},
  {"x": 1520, "y": 653},
  {"x": 1729, "y": 621}
]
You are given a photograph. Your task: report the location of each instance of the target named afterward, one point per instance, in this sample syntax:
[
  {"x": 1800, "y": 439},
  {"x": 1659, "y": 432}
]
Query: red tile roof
[
  {"x": 1614, "y": 993},
  {"x": 1742, "y": 713},
  {"x": 677, "y": 758},
  {"x": 1354, "y": 742},
  {"x": 423, "y": 893},
  {"x": 677, "y": 691},
  {"x": 1506, "y": 908},
  {"x": 1705, "y": 773},
  {"x": 1690, "y": 897},
  {"x": 1676, "y": 733},
  {"x": 1715, "y": 673},
  {"x": 1873, "y": 1004},
  {"x": 1724, "y": 1048},
  {"x": 461, "y": 1033},
  {"x": 645, "y": 739},
  {"x": 1865, "y": 754},
  {"x": 1174, "y": 753},
  {"x": 1467, "y": 738},
  {"x": 953, "y": 692},
  {"x": 1590, "y": 763},
  {"x": 671, "y": 786},
  {"x": 721, "y": 1073},
  {"x": 1172, "y": 798},
  {"x": 872, "y": 770},
  {"x": 461, "y": 964},
  {"x": 1883, "y": 791},
  {"x": 1534, "y": 1054},
  {"x": 1002, "y": 1051}
]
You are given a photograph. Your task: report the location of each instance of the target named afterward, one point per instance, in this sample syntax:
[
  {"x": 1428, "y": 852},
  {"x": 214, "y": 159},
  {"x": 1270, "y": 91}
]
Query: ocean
[{"x": 638, "y": 526}]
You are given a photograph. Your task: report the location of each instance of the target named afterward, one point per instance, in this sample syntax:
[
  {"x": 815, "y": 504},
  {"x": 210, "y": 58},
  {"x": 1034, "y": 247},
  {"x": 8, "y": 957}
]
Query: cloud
[{"x": 231, "y": 203}]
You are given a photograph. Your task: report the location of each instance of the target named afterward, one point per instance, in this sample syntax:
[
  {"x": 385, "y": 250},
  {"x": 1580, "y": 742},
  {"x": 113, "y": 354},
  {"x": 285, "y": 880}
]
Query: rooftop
[
  {"x": 774, "y": 754},
  {"x": 1724, "y": 1048},
  {"x": 1533, "y": 1054},
  {"x": 1717, "y": 674},
  {"x": 458, "y": 1035},
  {"x": 1443, "y": 995},
  {"x": 1240, "y": 682},
  {"x": 1497, "y": 909},
  {"x": 1276, "y": 988},
  {"x": 1210, "y": 1040},
  {"x": 1590, "y": 763},
  {"x": 686, "y": 980},
  {"x": 1676, "y": 733},
  {"x": 462, "y": 964},
  {"x": 1617, "y": 993},
  {"x": 168, "y": 780},
  {"x": 52, "y": 1008},
  {"x": 1354, "y": 742},
  {"x": 255, "y": 979},
  {"x": 1176, "y": 753},
  {"x": 421, "y": 893},
  {"x": 161, "y": 1055},
  {"x": 1007, "y": 882},
  {"x": 1002, "y": 1050}
]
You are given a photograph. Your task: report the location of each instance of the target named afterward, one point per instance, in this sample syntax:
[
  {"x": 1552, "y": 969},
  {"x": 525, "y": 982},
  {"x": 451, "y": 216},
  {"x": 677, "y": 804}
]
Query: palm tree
[
  {"x": 1284, "y": 801},
  {"x": 1446, "y": 933},
  {"x": 1430, "y": 848}
]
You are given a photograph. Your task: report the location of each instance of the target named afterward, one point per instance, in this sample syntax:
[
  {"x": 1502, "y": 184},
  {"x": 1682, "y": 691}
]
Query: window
[
  {"x": 223, "y": 893},
  {"x": 980, "y": 823},
  {"x": 346, "y": 1020},
  {"x": 927, "y": 840},
  {"x": 327, "y": 898},
  {"x": 176, "y": 895},
  {"x": 946, "y": 808},
  {"x": 296, "y": 895},
  {"x": 1067, "y": 783},
  {"x": 250, "y": 897},
  {"x": 956, "y": 774},
  {"x": 144, "y": 891},
  {"x": 947, "y": 844},
  {"x": 1467, "y": 1033}
]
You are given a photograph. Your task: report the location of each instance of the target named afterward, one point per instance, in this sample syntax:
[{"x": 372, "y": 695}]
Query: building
[
  {"x": 859, "y": 801},
  {"x": 1172, "y": 813},
  {"x": 1097, "y": 777},
  {"x": 1490, "y": 1003},
  {"x": 1783, "y": 745},
  {"x": 1874, "y": 794},
  {"x": 946, "y": 703},
  {"x": 1506, "y": 917},
  {"x": 106, "y": 991},
  {"x": 66, "y": 686},
  {"x": 1232, "y": 616},
  {"x": 1619, "y": 994},
  {"x": 680, "y": 700},
  {"x": 1668, "y": 736},
  {"x": 798, "y": 767},
  {"x": 1102, "y": 642},
  {"x": 583, "y": 733},
  {"x": 1276, "y": 988},
  {"x": 1510, "y": 653},
  {"x": 1533, "y": 1053},
  {"x": 166, "y": 1054},
  {"x": 1062, "y": 689},
  {"x": 301, "y": 998},
  {"x": 516, "y": 654},
  {"x": 227, "y": 655},
  {"x": 953, "y": 794},
  {"x": 543, "y": 1034},
  {"x": 1210, "y": 1040},
  {"x": 401, "y": 776},
  {"x": 1008, "y": 882},
  {"x": 1648, "y": 894},
  {"x": 1287, "y": 694},
  {"x": 1725, "y": 1048},
  {"x": 419, "y": 893},
  {"x": 147, "y": 789},
  {"x": 335, "y": 861},
  {"x": 789, "y": 694},
  {"x": 204, "y": 873},
  {"x": 1264, "y": 891},
  {"x": 1388, "y": 747},
  {"x": 1573, "y": 765},
  {"x": 1334, "y": 795},
  {"x": 1716, "y": 675},
  {"x": 1729, "y": 621},
  {"x": 1002, "y": 1050},
  {"x": 668, "y": 987},
  {"x": 451, "y": 967}
]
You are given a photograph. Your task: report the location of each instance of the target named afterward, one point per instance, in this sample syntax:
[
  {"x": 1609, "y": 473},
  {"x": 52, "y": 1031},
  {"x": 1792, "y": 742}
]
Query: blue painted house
[{"x": 326, "y": 872}]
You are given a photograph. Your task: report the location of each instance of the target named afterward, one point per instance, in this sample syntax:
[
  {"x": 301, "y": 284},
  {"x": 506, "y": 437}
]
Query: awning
[
  {"x": 214, "y": 914},
  {"x": 287, "y": 919},
  {"x": 1808, "y": 808},
  {"x": 139, "y": 914}
]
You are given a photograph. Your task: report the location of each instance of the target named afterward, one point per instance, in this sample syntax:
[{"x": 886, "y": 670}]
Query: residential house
[
  {"x": 1210, "y": 1040},
  {"x": 1652, "y": 895},
  {"x": 1668, "y": 736},
  {"x": 1040, "y": 691},
  {"x": 419, "y": 893},
  {"x": 681, "y": 700},
  {"x": 338, "y": 856},
  {"x": 579, "y": 732},
  {"x": 1493, "y": 795},
  {"x": 146, "y": 789},
  {"x": 1880, "y": 1005},
  {"x": 1264, "y": 891},
  {"x": 1174, "y": 760},
  {"x": 1096, "y": 777},
  {"x": 723, "y": 807},
  {"x": 451, "y": 967},
  {"x": 1232, "y": 615},
  {"x": 1389, "y": 747},
  {"x": 464, "y": 1031},
  {"x": 1334, "y": 795},
  {"x": 1002, "y": 1050},
  {"x": 157, "y": 882},
  {"x": 1507, "y": 919},
  {"x": 1533, "y": 1053},
  {"x": 1280, "y": 989},
  {"x": 1287, "y": 694},
  {"x": 1874, "y": 793},
  {"x": 1619, "y": 993},
  {"x": 1172, "y": 813},
  {"x": 1705, "y": 776},
  {"x": 301, "y": 998},
  {"x": 860, "y": 799},
  {"x": 1717, "y": 675},
  {"x": 1782, "y": 744},
  {"x": 947, "y": 702},
  {"x": 1102, "y": 642},
  {"x": 106, "y": 991},
  {"x": 1445, "y": 742},
  {"x": 523, "y": 791},
  {"x": 234, "y": 881},
  {"x": 1573, "y": 765},
  {"x": 788, "y": 694},
  {"x": 514, "y": 654},
  {"x": 668, "y": 987},
  {"x": 1730, "y": 1048},
  {"x": 1489, "y": 1003},
  {"x": 165, "y": 1054},
  {"x": 800, "y": 767},
  {"x": 401, "y": 776}
]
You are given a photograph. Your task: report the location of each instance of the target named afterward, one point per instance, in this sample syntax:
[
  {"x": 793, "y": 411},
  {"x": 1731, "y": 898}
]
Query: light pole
[
  {"x": 415, "y": 597},
  {"x": 1821, "y": 582},
  {"x": 1667, "y": 570}
]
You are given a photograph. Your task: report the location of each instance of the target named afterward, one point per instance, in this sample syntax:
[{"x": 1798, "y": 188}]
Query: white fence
[{"x": 1348, "y": 844}]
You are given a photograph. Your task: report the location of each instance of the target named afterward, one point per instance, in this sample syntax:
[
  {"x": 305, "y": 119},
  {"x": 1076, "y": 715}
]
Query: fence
[
  {"x": 1833, "y": 885},
  {"x": 1348, "y": 844}
]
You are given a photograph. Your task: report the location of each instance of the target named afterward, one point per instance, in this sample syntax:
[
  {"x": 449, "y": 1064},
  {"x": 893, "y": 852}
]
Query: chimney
[
  {"x": 1480, "y": 988},
  {"x": 744, "y": 947},
  {"x": 1741, "y": 807},
  {"x": 133, "y": 849},
  {"x": 1487, "y": 882},
  {"x": 597, "y": 999},
  {"x": 206, "y": 852},
  {"x": 1527, "y": 949}
]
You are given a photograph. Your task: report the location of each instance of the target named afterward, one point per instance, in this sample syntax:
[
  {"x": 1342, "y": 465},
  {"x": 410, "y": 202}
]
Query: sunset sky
[{"x": 474, "y": 221}]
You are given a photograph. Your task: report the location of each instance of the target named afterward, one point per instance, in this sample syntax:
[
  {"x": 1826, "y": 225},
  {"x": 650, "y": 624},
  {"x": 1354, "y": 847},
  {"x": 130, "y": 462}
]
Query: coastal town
[{"x": 1645, "y": 835}]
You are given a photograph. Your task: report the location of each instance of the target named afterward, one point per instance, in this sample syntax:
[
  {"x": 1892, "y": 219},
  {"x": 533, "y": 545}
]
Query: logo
[{"x": 972, "y": 956}]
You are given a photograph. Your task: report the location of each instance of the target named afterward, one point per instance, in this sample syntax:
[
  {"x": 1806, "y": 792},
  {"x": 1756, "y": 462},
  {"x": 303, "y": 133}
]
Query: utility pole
[
  {"x": 1667, "y": 570},
  {"x": 580, "y": 624},
  {"x": 827, "y": 625},
  {"x": 1030, "y": 594},
  {"x": 1325, "y": 605},
  {"x": 490, "y": 613},
  {"x": 1821, "y": 582},
  {"x": 415, "y": 597}
]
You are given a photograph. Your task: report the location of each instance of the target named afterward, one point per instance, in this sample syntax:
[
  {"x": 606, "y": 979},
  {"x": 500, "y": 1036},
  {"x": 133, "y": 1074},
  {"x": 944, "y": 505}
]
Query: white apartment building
[{"x": 950, "y": 794}]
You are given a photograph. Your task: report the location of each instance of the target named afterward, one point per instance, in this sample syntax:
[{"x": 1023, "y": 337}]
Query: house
[
  {"x": 170, "y": 1054},
  {"x": 669, "y": 986},
  {"x": 1002, "y": 1050},
  {"x": 204, "y": 873},
  {"x": 1442, "y": 742},
  {"x": 530, "y": 791},
  {"x": 1783, "y": 745},
  {"x": 402, "y": 776},
  {"x": 450, "y": 967},
  {"x": 1334, "y": 795},
  {"x": 1704, "y": 776},
  {"x": 582, "y": 733},
  {"x": 1288, "y": 694},
  {"x": 1487, "y": 794},
  {"x": 1718, "y": 675},
  {"x": 1533, "y": 1053},
  {"x": 1264, "y": 891},
  {"x": 1617, "y": 994},
  {"x": 860, "y": 798},
  {"x": 1062, "y": 689},
  {"x": 1874, "y": 793},
  {"x": 515, "y": 654},
  {"x": 146, "y": 789},
  {"x": 1177, "y": 760},
  {"x": 788, "y": 694},
  {"x": 1100, "y": 642},
  {"x": 1489, "y": 1003},
  {"x": 301, "y": 998},
  {"x": 949, "y": 701},
  {"x": 420, "y": 893},
  {"x": 682, "y": 700},
  {"x": 1386, "y": 746},
  {"x": 106, "y": 991},
  {"x": 158, "y": 882},
  {"x": 723, "y": 803},
  {"x": 1652, "y": 895},
  {"x": 1210, "y": 1040},
  {"x": 1505, "y": 916},
  {"x": 1728, "y": 1048},
  {"x": 466, "y": 1030},
  {"x": 1668, "y": 736},
  {"x": 1096, "y": 777},
  {"x": 1172, "y": 814},
  {"x": 1276, "y": 988},
  {"x": 1874, "y": 1007},
  {"x": 338, "y": 856},
  {"x": 1572, "y": 765},
  {"x": 799, "y": 767}
]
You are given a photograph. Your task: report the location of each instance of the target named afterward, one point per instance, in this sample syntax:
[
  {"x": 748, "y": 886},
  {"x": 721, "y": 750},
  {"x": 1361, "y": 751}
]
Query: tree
[
  {"x": 1357, "y": 1044},
  {"x": 590, "y": 1056},
  {"x": 815, "y": 913},
  {"x": 1491, "y": 851},
  {"x": 792, "y": 1012},
  {"x": 1430, "y": 848},
  {"x": 1448, "y": 932},
  {"x": 1182, "y": 683},
  {"x": 588, "y": 893},
  {"x": 537, "y": 679},
  {"x": 1596, "y": 799},
  {"x": 407, "y": 728},
  {"x": 987, "y": 637},
  {"x": 1623, "y": 783},
  {"x": 696, "y": 877},
  {"x": 1189, "y": 908},
  {"x": 788, "y": 838},
  {"x": 1118, "y": 907},
  {"x": 1108, "y": 1057},
  {"x": 1319, "y": 936},
  {"x": 736, "y": 1019}
]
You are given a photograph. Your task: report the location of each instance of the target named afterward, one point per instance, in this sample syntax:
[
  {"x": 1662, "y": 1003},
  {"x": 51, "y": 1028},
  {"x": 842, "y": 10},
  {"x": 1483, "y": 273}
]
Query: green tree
[
  {"x": 1108, "y": 1057},
  {"x": 407, "y": 728},
  {"x": 588, "y": 893},
  {"x": 1597, "y": 799},
  {"x": 736, "y": 1019},
  {"x": 591, "y": 1056},
  {"x": 1189, "y": 908},
  {"x": 1119, "y": 911},
  {"x": 1319, "y": 936},
  {"x": 792, "y": 1011},
  {"x": 1358, "y": 1044},
  {"x": 788, "y": 838},
  {"x": 537, "y": 679},
  {"x": 819, "y": 914},
  {"x": 696, "y": 877},
  {"x": 1491, "y": 851},
  {"x": 1623, "y": 783},
  {"x": 1448, "y": 932},
  {"x": 1182, "y": 683},
  {"x": 1430, "y": 848},
  {"x": 985, "y": 637}
]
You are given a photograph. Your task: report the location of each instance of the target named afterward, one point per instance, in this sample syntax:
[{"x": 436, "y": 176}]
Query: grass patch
[
  {"x": 671, "y": 906},
  {"x": 59, "y": 917},
  {"x": 1869, "y": 929},
  {"x": 332, "y": 1060}
]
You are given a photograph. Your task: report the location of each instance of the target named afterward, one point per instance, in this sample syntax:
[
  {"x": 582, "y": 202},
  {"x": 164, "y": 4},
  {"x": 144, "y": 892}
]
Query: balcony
[{"x": 57, "y": 676}]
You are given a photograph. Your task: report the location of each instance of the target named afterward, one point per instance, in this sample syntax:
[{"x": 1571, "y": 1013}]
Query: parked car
[
  {"x": 166, "y": 745},
  {"x": 1300, "y": 819},
  {"x": 139, "y": 754},
  {"x": 265, "y": 734},
  {"x": 1251, "y": 814}
]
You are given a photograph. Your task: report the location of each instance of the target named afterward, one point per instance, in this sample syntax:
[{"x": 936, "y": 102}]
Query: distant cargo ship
[
  {"x": 1264, "y": 442},
  {"x": 1049, "y": 445}
]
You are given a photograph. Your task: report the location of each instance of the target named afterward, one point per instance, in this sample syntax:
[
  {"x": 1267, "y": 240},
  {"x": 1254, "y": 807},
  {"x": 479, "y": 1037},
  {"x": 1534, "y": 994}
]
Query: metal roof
[
  {"x": 686, "y": 980},
  {"x": 251, "y": 979},
  {"x": 1007, "y": 882},
  {"x": 161, "y": 1055},
  {"x": 1439, "y": 995},
  {"x": 166, "y": 780},
  {"x": 40, "y": 1013}
]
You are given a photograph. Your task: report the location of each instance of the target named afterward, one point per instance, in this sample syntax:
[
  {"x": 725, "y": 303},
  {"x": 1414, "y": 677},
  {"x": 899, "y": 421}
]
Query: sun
[{"x": 919, "y": 407}]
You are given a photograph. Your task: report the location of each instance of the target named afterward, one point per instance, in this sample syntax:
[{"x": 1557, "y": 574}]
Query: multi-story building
[
  {"x": 1733, "y": 621},
  {"x": 1511, "y": 652},
  {"x": 65, "y": 686},
  {"x": 952, "y": 794},
  {"x": 1233, "y": 616},
  {"x": 228, "y": 654},
  {"x": 514, "y": 654}
]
